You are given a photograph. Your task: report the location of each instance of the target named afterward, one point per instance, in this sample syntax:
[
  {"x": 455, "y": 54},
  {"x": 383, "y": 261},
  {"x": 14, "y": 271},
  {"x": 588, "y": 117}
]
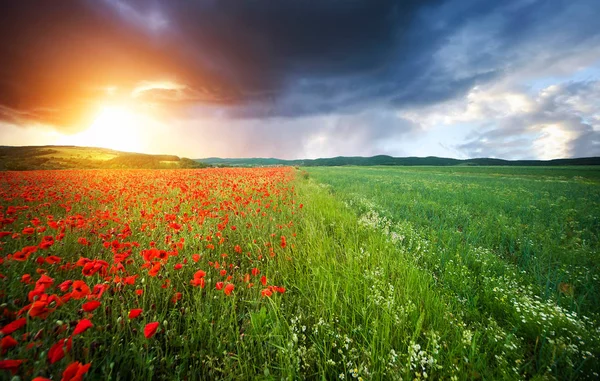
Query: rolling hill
[
  {"x": 73, "y": 157},
  {"x": 389, "y": 160}
]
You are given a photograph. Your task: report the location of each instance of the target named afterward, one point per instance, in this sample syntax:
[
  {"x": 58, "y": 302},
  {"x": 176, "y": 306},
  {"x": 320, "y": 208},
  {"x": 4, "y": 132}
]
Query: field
[{"x": 279, "y": 273}]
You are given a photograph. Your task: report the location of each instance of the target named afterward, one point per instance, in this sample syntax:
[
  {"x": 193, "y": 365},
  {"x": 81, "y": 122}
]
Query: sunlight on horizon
[{"x": 114, "y": 127}]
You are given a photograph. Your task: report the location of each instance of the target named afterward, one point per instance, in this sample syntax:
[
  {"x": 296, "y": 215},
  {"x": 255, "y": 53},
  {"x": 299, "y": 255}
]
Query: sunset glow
[{"x": 114, "y": 127}]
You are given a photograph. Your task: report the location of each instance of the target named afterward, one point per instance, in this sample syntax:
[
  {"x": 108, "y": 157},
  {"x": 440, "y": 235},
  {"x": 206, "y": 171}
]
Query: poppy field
[
  {"x": 278, "y": 273},
  {"x": 98, "y": 262}
]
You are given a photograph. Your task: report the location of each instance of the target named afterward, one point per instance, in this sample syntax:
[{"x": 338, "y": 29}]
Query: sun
[{"x": 114, "y": 127}]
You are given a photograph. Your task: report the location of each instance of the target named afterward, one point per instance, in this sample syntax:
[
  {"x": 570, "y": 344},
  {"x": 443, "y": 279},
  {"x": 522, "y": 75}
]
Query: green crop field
[{"x": 513, "y": 252}]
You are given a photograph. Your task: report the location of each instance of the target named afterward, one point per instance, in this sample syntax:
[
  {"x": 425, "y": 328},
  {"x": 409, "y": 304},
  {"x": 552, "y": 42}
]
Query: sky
[{"x": 304, "y": 79}]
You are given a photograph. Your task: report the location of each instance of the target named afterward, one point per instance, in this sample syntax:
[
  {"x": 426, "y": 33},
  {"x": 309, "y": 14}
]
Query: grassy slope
[
  {"x": 518, "y": 248},
  {"x": 73, "y": 157}
]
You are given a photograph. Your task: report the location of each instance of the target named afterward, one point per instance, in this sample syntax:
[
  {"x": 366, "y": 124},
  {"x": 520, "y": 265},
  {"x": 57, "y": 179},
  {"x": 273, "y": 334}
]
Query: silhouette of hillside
[
  {"x": 389, "y": 160},
  {"x": 73, "y": 157}
]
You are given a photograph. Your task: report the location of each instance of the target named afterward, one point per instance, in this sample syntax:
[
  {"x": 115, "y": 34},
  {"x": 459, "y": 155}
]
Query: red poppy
[
  {"x": 198, "y": 282},
  {"x": 7, "y": 342},
  {"x": 41, "y": 379},
  {"x": 155, "y": 269},
  {"x": 64, "y": 286},
  {"x": 150, "y": 329},
  {"x": 13, "y": 326},
  {"x": 75, "y": 371},
  {"x": 11, "y": 365},
  {"x": 80, "y": 290},
  {"x": 130, "y": 279},
  {"x": 135, "y": 313},
  {"x": 57, "y": 352},
  {"x": 40, "y": 309},
  {"x": 219, "y": 286},
  {"x": 263, "y": 280},
  {"x": 176, "y": 297},
  {"x": 229, "y": 289},
  {"x": 266, "y": 292},
  {"x": 255, "y": 271},
  {"x": 82, "y": 326},
  {"x": 90, "y": 306}
]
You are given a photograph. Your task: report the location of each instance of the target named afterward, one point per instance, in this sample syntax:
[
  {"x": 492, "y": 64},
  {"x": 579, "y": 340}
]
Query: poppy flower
[
  {"x": 7, "y": 342},
  {"x": 13, "y": 326},
  {"x": 53, "y": 259},
  {"x": 80, "y": 290},
  {"x": 41, "y": 379},
  {"x": 150, "y": 329},
  {"x": 130, "y": 279},
  {"x": 155, "y": 269},
  {"x": 64, "y": 286},
  {"x": 56, "y": 352},
  {"x": 176, "y": 297},
  {"x": 266, "y": 292},
  {"x": 11, "y": 365},
  {"x": 229, "y": 288},
  {"x": 255, "y": 271},
  {"x": 219, "y": 286},
  {"x": 199, "y": 274},
  {"x": 198, "y": 282},
  {"x": 135, "y": 313},
  {"x": 40, "y": 309},
  {"x": 82, "y": 326},
  {"x": 263, "y": 280},
  {"x": 75, "y": 371},
  {"x": 90, "y": 306}
]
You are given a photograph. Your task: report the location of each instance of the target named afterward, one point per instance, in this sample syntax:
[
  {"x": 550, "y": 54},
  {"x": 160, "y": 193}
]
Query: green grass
[{"x": 517, "y": 248}]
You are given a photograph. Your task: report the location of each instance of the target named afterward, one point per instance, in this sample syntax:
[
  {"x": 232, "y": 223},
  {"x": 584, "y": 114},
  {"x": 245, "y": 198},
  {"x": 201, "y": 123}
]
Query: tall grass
[{"x": 518, "y": 248}]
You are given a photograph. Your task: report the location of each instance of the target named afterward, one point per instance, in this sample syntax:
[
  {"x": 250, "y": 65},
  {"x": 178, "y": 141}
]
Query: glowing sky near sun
[{"x": 455, "y": 78}]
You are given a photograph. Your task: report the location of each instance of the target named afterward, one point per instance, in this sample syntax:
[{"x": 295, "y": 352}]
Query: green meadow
[{"x": 509, "y": 258}]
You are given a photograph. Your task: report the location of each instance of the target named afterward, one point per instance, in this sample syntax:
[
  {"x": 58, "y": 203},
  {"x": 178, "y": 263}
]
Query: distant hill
[
  {"x": 389, "y": 160},
  {"x": 73, "y": 157}
]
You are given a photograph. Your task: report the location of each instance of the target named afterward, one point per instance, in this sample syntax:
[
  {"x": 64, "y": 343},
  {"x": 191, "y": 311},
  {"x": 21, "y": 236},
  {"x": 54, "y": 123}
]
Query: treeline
[{"x": 389, "y": 160}]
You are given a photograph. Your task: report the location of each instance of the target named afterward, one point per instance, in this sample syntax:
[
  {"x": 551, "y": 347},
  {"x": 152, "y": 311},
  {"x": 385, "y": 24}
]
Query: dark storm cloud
[{"x": 268, "y": 58}]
